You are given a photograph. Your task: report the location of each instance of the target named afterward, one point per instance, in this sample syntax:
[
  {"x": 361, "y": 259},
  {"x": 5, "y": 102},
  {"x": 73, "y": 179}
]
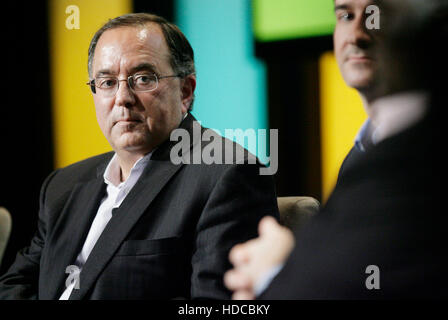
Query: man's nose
[
  {"x": 360, "y": 36},
  {"x": 124, "y": 96}
]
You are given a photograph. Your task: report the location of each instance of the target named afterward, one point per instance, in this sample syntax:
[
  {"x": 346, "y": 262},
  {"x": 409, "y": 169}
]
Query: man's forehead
[
  {"x": 131, "y": 42},
  {"x": 148, "y": 35}
]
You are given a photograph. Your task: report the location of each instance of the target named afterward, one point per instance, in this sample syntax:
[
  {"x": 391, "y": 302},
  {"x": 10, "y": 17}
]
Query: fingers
[
  {"x": 267, "y": 226},
  {"x": 235, "y": 280},
  {"x": 243, "y": 295},
  {"x": 256, "y": 256},
  {"x": 270, "y": 229},
  {"x": 239, "y": 254}
]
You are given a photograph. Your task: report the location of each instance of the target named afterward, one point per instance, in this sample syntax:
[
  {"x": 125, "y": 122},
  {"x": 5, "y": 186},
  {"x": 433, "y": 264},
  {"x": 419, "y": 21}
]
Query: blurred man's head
[
  {"x": 353, "y": 44},
  {"x": 410, "y": 51}
]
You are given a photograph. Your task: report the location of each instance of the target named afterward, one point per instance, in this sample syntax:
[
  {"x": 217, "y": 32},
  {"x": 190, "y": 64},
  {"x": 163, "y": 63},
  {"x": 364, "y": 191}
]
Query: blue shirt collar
[{"x": 361, "y": 136}]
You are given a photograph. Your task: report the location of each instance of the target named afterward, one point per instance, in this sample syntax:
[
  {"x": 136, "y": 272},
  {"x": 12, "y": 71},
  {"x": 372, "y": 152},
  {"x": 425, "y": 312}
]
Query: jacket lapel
[
  {"x": 155, "y": 176},
  {"x": 70, "y": 232}
]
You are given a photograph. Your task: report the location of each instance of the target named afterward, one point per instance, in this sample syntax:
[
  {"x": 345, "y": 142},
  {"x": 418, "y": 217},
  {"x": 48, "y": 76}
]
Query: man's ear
[{"x": 187, "y": 90}]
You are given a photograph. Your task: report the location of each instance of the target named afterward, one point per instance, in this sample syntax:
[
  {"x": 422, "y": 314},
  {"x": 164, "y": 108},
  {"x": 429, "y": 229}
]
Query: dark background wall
[
  {"x": 293, "y": 102},
  {"x": 26, "y": 155},
  {"x": 26, "y": 148}
]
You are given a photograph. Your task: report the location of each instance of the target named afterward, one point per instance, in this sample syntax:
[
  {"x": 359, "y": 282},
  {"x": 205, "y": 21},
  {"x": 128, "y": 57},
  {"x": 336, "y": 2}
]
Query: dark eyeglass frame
[{"x": 130, "y": 81}]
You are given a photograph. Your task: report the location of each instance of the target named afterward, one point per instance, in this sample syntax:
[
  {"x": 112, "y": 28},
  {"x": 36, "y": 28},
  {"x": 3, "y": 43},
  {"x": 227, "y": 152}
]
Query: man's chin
[
  {"x": 358, "y": 75},
  {"x": 131, "y": 141},
  {"x": 360, "y": 81}
]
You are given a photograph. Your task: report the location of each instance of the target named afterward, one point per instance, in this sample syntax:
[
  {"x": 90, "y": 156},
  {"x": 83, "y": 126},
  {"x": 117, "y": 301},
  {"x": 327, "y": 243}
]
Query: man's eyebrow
[
  {"x": 143, "y": 66},
  {"x": 341, "y": 7},
  {"x": 146, "y": 66},
  {"x": 104, "y": 72}
]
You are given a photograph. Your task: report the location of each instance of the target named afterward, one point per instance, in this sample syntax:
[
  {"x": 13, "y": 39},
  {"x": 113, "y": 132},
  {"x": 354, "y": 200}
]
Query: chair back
[
  {"x": 5, "y": 230},
  {"x": 296, "y": 211}
]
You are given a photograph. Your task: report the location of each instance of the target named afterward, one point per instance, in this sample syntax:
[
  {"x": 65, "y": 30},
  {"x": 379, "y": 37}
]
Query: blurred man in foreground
[{"x": 380, "y": 235}]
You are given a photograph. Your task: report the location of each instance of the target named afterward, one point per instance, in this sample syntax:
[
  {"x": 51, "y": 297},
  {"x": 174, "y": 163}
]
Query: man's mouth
[
  {"x": 127, "y": 121},
  {"x": 359, "y": 58}
]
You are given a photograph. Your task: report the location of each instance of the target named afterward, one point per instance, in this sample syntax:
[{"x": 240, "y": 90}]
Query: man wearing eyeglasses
[{"x": 131, "y": 224}]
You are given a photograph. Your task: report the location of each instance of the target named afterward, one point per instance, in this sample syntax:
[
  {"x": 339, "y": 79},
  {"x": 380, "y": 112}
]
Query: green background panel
[{"x": 275, "y": 20}]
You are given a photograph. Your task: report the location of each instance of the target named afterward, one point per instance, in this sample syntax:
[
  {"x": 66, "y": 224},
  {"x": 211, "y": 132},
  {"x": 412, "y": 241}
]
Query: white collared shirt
[{"x": 116, "y": 193}]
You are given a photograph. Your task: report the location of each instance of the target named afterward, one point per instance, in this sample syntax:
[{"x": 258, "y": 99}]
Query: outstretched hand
[{"x": 256, "y": 257}]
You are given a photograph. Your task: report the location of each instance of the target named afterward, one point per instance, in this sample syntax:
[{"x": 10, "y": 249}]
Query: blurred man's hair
[
  {"x": 415, "y": 34},
  {"x": 416, "y": 31}
]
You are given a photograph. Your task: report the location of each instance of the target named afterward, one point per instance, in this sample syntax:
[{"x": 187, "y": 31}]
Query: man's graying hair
[{"x": 181, "y": 52}]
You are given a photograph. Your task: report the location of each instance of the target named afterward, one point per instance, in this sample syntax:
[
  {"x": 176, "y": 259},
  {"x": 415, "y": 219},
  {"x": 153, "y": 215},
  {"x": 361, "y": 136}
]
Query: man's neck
[
  {"x": 127, "y": 159},
  {"x": 367, "y": 101}
]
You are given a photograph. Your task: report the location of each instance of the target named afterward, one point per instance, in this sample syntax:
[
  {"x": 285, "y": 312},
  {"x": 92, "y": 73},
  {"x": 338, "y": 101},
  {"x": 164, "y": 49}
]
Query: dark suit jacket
[
  {"x": 169, "y": 238},
  {"x": 352, "y": 158},
  {"x": 384, "y": 211}
]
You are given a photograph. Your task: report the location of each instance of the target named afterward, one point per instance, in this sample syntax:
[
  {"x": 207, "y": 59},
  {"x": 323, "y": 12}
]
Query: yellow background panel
[
  {"x": 342, "y": 115},
  {"x": 76, "y": 133}
]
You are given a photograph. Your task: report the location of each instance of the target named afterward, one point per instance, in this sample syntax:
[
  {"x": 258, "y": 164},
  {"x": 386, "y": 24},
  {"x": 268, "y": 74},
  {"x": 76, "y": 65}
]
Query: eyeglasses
[{"x": 140, "y": 82}]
